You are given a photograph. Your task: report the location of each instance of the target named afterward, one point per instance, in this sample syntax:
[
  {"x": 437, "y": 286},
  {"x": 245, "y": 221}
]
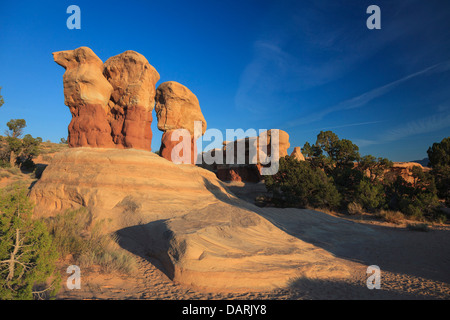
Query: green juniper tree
[
  {"x": 439, "y": 155},
  {"x": 20, "y": 150},
  {"x": 27, "y": 256},
  {"x": 299, "y": 184}
]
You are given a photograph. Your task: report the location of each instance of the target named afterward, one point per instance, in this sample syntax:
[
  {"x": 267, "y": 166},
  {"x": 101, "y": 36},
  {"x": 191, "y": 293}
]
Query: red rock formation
[
  {"x": 177, "y": 108},
  {"x": 86, "y": 93},
  {"x": 89, "y": 127},
  {"x": 132, "y": 100},
  {"x": 111, "y": 103},
  {"x": 168, "y": 150},
  {"x": 283, "y": 141}
]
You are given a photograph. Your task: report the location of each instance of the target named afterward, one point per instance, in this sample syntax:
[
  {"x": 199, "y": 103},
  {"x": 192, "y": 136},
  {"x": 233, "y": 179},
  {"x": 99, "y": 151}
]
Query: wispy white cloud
[
  {"x": 433, "y": 123},
  {"x": 367, "y": 97},
  {"x": 429, "y": 124},
  {"x": 349, "y": 125}
]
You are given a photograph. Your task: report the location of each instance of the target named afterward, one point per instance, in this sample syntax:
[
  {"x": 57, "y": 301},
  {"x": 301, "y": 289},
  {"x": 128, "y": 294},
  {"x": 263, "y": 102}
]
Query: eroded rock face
[
  {"x": 111, "y": 103},
  {"x": 132, "y": 100},
  {"x": 86, "y": 93},
  {"x": 177, "y": 108}
]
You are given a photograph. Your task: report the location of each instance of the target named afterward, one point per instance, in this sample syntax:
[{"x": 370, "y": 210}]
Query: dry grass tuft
[{"x": 76, "y": 234}]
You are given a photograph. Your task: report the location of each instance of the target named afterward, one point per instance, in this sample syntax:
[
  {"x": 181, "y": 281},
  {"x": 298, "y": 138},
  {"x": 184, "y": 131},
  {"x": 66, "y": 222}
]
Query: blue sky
[{"x": 300, "y": 66}]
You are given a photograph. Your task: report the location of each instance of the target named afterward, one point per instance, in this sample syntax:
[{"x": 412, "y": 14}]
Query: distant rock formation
[
  {"x": 248, "y": 171},
  {"x": 297, "y": 154},
  {"x": 111, "y": 103},
  {"x": 177, "y": 108},
  {"x": 424, "y": 162},
  {"x": 404, "y": 170},
  {"x": 283, "y": 137}
]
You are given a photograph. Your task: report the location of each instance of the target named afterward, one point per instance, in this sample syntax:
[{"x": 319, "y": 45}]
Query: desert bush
[
  {"x": 441, "y": 175},
  {"x": 418, "y": 201},
  {"x": 391, "y": 216},
  {"x": 28, "y": 165},
  {"x": 27, "y": 254},
  {"x": 76, "y": 234},
  {"x": 354, "y": 208},
  {"x": 298, "y": 184}
]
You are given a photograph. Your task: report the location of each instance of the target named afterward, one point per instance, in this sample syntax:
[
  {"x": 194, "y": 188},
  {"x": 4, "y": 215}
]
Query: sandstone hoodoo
[
  {"x": 283, "y": 141},
  {"x": 178, "y": 108},
  {"x": 248, "y": 170},
  {"x": 86, "y": 93},
  {"x": 133, "y": 99},
  {"x": 297, "y": 154},
  {"x": 112, "y": 102}
]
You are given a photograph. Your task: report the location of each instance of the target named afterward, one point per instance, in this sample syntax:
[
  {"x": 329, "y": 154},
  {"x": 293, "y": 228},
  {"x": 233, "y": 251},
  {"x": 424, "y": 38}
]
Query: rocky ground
[{"x": 414, "y": 264}]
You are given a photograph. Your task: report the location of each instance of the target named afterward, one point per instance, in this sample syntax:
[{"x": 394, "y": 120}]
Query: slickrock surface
[{"x": 183, "y": 216}]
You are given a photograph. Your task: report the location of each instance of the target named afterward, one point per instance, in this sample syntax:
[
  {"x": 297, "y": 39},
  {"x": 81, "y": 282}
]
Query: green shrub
[
  {"x": 370, "y": 194},
  {"x": 441, "y": 175},
  {"x": 27, "y": 254},
  {"x": 297, "y": 184}
]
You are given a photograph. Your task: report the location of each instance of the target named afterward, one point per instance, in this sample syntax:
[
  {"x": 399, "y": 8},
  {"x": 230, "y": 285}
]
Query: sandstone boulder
[{"x": 177, "y": 108}]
